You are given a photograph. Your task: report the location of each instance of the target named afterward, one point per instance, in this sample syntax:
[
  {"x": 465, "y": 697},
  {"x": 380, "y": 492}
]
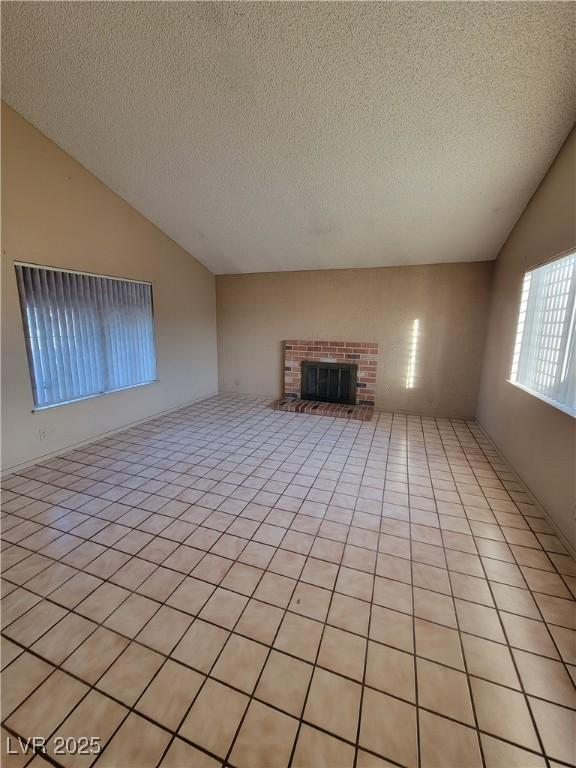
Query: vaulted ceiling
[{"x": 283, "y": 136}]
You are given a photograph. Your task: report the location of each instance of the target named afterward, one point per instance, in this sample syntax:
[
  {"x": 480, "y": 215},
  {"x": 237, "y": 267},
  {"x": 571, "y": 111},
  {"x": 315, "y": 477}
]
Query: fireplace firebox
[{"x": 329, "y": 382}]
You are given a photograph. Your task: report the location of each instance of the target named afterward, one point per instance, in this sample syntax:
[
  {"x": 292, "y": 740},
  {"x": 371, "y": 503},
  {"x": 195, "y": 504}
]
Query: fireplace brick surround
[{"x": 363, "y": 354}]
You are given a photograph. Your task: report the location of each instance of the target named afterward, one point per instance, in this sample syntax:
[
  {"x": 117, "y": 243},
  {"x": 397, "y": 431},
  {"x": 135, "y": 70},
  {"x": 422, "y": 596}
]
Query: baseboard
[
  {"x": 65, "y": 449},
  {"x": 537, "y": 503}
]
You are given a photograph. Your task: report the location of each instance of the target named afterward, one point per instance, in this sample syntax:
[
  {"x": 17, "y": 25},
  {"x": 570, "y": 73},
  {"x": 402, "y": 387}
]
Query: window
[
  {"x": 545, "y": 350},
  {"x": 85, "y": 334}
]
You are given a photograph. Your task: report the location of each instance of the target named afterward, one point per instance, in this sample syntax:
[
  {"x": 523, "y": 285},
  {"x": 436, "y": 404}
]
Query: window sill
[
  {"x": 41, "y": 408},
  {"x": 559, "y": 406}
]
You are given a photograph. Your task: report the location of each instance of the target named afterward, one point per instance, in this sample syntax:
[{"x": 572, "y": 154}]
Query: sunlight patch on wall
[{"x": 413, "y": 354}]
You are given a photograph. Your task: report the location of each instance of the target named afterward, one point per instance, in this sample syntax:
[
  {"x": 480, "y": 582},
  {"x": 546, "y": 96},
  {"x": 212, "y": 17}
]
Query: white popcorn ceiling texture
[{"x": 287, "y": 136}]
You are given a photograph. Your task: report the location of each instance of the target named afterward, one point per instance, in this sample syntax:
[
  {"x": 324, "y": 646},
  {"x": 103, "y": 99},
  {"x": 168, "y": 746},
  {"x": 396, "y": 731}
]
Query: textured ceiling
[{"x": 282, "y": 136}]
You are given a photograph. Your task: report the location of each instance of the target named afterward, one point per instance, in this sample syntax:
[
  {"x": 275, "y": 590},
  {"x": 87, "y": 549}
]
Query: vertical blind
[
  {"x": 85, "y": 334},
  {"x": 545, "y": 351}
]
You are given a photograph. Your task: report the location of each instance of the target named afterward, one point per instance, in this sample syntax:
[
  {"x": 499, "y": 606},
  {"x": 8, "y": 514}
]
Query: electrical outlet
[
  {"x": 43, "y": 434},
  {"x": 236, "y": 382}
]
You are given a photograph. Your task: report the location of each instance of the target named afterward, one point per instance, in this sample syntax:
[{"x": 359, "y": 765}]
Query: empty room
[{"x": 288, "y": 385}]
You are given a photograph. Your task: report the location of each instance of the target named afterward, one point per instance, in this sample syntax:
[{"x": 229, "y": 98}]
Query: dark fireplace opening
[{"x": 329, "y": 382}]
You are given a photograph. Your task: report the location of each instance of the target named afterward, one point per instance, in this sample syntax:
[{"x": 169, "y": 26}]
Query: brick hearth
[{"x": 315, "y": 408}]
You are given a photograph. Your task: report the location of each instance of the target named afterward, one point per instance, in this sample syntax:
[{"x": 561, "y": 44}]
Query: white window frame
[{"x": 522, "y": 358}]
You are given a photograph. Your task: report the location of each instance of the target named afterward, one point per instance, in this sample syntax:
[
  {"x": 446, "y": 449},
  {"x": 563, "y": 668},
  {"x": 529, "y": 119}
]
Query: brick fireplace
[{"x": 362, "y": 356}]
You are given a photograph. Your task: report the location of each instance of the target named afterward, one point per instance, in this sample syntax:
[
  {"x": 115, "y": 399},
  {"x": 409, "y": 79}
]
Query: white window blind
[
  {"x": 85, "y": 334},
  {"x": 545, "y": 350}
]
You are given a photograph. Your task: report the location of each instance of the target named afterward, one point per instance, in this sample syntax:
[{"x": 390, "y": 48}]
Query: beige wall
[
  {"x": 450, "y": 301},
  {"x": 536, "y": 438},
  {"x": 58, "y": 214}
]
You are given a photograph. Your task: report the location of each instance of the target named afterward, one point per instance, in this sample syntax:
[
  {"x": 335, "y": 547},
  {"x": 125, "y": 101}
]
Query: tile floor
[{"x": 233, "y": 585}]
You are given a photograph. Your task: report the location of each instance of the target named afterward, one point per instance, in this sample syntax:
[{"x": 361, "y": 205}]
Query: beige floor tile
[
  {"x": 349, "y": 613},
  {"x": 183, "y": 755},
  {"x": 129, "y": 618},
  {"x": 543, "y": 581},
  {"x": 355, "y": 583},
  {"x": 471, "y": 588},
  {"x": 130, "y": 673},
  {"x": 229, "y": 546},
  {"x": 95, "y": 655},
  {"x": 275, "y": 589},
  {"x": 170, "y": 694},
  {"x": 240, "y": 663},
  {"x": 515, "y": 600},
  {"x": 265, "y": 738},
  {"x": 131, "y": 575},
  {"x": 212, "y": 568},
  {"x": 72, "y": 592},
  {"x": 431, "y": 577},
  {"x": 96, "y": 715},
  {"x": 64, "y": 638},
  {"x": 214, "y": 733},
  {"x": 284, "y": 683},
  {"x": 566, "y": 641},
  {"x": 299, "y": 637},
  {"x": 259, "y": 621},
  {"x": 388, "y": 727},
  {"x": 505, "y": 573},
  {"x": 396, "y": 568},
  {"x": 557, "y": 610},
  {"x": 319, "y": 573},
  {"x": 391, "y": 671},
  {"x": 102, "y": 602},
  {"x": 502, "y": 712},
  {"x": 444, "y": 691},
  {"x": 33, "y": 624},
  {"x": 48, "y": 706},
  {"x": 165, "y": 629},
  {"x": 50, "y": 579},
  {"x": 258, "y": 555},
  {"x": 366, "y": 760},
  {"x": 342, "y": 652},
  {"x": 392, "y": 594},
  {"x": 479, "y": 620},
  {"x": 20, "y": 679},
  {"x": 438, "y": 643},
  {"x": 546, "y": 679},
  {"x": 432, "y": 606},
  {"x": 190, "y": 596},
  {"x": 15, "y": 604},
  {"x": 490, "y": 660},
  {"x": 557, "y": 726},
  {"x": 315, "y": 749},
  {"x": 500, "y": 754},
  {"x": 528, "y": 635},
  {"x": 310, "y": 601},
  {"x": 200, "y": 646},
  {"x": 137, "y": 744},
  {"x": 333, "y": 704},
  {"x": 325, "y": 549},
  {"x": 9, "y": 651},
  {"x": 242, "y": 578},
  {"x": 160, "y": 584},
  {"x": 445, "y": 744},
  {"x": 224, "y": 608},
  {"x": 391, "y": 628}
]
